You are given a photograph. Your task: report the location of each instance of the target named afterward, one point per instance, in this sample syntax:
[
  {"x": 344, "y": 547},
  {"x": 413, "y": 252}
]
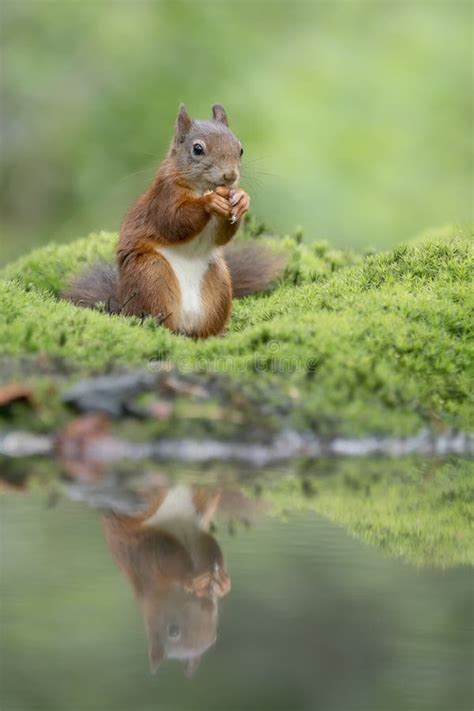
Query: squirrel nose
[{"x": 230, "y": 176}]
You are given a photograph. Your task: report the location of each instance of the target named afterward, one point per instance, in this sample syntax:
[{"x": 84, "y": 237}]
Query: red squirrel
[
  {"x": 176, "y": 569},
  {"x": 171, "y": 261}
]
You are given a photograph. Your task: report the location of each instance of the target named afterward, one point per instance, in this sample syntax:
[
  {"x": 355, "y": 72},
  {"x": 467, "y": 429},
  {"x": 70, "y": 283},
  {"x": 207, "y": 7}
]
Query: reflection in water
[
  {"x": 316, "y": 619},
  {"x": 176, "y": 569}
]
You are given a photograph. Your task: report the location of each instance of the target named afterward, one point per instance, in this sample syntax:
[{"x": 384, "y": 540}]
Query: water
[{"x": 314, "y": 619}]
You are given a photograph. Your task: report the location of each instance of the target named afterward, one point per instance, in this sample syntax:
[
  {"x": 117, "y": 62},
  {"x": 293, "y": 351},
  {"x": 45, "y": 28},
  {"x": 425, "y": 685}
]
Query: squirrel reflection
[{"x": 176, "y": 569}]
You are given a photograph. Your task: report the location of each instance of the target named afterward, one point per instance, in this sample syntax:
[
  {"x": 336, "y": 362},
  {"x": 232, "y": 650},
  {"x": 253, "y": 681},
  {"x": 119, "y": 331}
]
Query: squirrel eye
[
  {"x": 198, "y": 149},
  {"x": 241, "y": 151},
  {"x": 173, "y": 631}
]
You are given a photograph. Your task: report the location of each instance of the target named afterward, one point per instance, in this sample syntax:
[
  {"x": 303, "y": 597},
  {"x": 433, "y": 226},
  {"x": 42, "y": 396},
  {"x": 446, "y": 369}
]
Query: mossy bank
[
  {"x": 380, "y": 343},
  {"x": 416, "y": 509}
]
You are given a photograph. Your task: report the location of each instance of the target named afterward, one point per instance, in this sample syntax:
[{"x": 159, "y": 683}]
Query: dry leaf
[{"x": 15, "y": 393}]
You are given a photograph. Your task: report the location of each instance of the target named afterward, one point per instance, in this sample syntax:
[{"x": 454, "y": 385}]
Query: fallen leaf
[{"x": 15, "y": 393}]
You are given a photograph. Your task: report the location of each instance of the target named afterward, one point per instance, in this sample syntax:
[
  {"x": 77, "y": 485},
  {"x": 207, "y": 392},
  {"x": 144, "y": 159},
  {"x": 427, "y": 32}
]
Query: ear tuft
[
  {"x": 190, "y": 666},
  {"x": 183, "y": 123},
  {"x": 219, "y": 114},
  {"x": 157, "y": 654}
]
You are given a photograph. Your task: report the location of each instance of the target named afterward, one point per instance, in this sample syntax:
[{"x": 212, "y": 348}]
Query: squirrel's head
[
  {"x": 181, "y": 622},
  {"x": 206, "y": 153},
  {"x": 180, "y": 626}
]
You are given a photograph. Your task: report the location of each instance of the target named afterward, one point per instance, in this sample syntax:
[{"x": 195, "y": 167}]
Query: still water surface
[{"x": 238, "y": 609}]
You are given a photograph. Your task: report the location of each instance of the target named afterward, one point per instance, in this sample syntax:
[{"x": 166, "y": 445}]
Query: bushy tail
[
  {"x": 252, "y": 268},
  {"x": 97, "y": 284}
]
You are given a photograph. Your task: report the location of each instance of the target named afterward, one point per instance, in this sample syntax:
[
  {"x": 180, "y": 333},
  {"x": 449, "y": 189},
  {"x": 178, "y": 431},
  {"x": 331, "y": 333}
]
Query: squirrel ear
[
  {"x": 156, "y": 654},
  {"x": 183, "y": 123},
  {"x": 219, "y": 114},
  {"x": 191, "y": 665}
]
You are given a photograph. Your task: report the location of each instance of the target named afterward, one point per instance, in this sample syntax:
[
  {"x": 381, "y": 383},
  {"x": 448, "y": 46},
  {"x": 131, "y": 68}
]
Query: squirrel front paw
[
  {"x": 214, "y": 583},
  {"x": 230, "y": 204},
  {"x": 217, "y": 203},
  {"x": 240, "y": 203}
]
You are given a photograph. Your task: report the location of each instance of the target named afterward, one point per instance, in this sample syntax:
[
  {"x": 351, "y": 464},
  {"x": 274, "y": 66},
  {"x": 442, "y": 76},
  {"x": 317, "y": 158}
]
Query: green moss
[
  {"x": 48, "y": 269},
  {"x": 382, "y": 343},
  {"x": 420, "y": 511}
]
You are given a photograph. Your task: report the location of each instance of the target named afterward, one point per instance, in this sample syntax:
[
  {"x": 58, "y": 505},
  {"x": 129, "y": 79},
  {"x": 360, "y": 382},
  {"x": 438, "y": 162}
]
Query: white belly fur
[
  {"x": 177, "y": 515},
  {"x": 177, "y": 505},
  {"x": 190, "y": 262}
]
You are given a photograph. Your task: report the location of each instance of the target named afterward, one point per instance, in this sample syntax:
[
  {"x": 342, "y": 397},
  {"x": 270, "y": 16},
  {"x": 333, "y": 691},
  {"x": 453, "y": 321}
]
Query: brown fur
[
  {"x": 174, "y": 210},
  {"x": 148, "y": 285},
  {"x": 167, "y": 212},
  {"x": 217, "y": 298}
]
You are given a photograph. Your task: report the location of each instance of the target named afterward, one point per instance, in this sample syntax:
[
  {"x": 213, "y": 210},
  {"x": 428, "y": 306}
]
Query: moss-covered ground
[
  {"x": 343, "y": 344},
  {"x": 380, "y": 343}
]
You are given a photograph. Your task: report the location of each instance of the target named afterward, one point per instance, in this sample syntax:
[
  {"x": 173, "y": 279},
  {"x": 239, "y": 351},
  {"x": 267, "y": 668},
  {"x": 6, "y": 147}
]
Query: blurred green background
[{"x": 355, "y": 115}]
